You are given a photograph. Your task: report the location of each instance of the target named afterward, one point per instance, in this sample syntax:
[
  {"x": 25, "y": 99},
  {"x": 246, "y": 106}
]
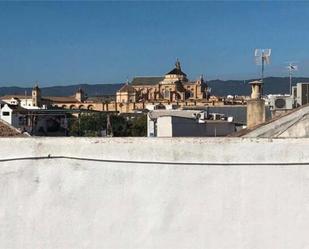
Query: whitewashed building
[
  {"x": 188, "y": 123},
  {"x": 13, "y": 115}
]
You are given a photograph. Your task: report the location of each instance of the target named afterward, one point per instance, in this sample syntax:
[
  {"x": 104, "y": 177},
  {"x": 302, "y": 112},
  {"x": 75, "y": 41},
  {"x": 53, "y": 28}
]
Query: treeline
[{"x": 102, "y": 124}]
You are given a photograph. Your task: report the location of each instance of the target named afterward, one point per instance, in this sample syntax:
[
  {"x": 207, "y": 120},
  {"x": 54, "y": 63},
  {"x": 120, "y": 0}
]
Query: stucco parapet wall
[
  {"x": 60, "y": 203},
  {"x": 161, "y": 150}
]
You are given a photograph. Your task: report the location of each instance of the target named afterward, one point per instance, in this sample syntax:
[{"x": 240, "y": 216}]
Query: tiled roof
[
  {"x": 146, "y": 80},
  {"x": 8, "y": 131},
  {"x": 68, "y": 99},
  {"x": 126, "y": 88},
  {"x": 176, "y": 71},
  {"x": 16, "y": 96}
]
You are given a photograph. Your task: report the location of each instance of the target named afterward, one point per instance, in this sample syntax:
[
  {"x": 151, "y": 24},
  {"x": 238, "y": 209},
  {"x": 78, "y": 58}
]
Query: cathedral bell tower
[{"x": 80, "y": 95}]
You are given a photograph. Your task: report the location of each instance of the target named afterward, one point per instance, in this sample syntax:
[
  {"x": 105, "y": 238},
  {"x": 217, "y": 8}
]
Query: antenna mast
[
  {"x": 291, "y": 69},
  {"x": 262, "y": 57}
]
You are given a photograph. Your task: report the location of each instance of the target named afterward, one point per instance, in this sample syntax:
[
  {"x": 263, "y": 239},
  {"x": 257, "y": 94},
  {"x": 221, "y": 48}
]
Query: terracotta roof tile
[
  {"x": 146, "y": 80},
  {"x": 16, "y": 96},
  {"x": 126, "y": 88},
  {"x": 8, "y": 131},
  {"x": 68, "y": 99}
]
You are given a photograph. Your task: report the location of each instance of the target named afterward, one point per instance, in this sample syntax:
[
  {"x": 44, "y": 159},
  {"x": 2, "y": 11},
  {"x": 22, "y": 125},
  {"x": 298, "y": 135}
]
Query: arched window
[{"x": 166, "y": 94}]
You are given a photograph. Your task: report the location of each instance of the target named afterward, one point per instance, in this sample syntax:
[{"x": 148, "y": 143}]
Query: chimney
[{"x": 256, "y": 105}]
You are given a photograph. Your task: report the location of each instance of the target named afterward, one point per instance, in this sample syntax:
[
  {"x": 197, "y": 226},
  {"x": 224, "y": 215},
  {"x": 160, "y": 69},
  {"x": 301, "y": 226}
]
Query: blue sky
[{"x": 59, "y": 43}]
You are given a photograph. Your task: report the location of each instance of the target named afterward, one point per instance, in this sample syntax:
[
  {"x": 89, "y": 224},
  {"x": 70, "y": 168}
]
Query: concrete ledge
[{"x": 197, "y": 150}]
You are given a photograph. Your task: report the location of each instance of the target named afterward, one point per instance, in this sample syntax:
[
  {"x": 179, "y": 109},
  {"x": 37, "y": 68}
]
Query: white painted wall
[
  {"x": 24, "y": 102},
  {"x": 173, "y": 126},
  {"x": 164, "y": 126},
  {"x": 64, "y": 203},
  {"x": 3, "y": 115},
  {"x": 27, "y": 103},
  {"x": 12, "y": 118}
]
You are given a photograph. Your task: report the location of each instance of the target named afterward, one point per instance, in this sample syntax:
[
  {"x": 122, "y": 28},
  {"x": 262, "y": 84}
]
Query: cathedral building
[{"x": 172, "y": 87}]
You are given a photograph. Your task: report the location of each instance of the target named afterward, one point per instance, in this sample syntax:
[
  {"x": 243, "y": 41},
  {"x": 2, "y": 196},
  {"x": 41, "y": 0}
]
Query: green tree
[
  {"x": 139, "y": 126},
  {"x": 120, "y": 126},
  {"x": 91, "y": 125},
  {"x": 87, "y": 124}
]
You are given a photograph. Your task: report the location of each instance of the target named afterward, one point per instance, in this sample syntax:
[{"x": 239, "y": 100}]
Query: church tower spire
[{"x": 177, "y": 64}]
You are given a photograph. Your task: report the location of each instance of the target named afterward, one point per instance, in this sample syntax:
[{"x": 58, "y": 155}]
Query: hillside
[
  {"x": 91, "y": 90},
  {"x": 273, "y": 85}
]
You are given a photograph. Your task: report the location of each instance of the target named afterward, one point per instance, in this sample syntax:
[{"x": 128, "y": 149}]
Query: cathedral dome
[{"x": 176, "y": 70}]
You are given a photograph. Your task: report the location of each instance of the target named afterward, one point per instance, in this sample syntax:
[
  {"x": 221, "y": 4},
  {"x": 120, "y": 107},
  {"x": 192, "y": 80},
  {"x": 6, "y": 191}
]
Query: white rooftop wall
[{"x": 189, "y": 200}]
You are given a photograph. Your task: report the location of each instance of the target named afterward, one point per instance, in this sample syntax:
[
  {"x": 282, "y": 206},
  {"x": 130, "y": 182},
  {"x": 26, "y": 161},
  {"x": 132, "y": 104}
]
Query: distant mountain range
[
  {"x": 273, "y": 85},
  {"x": 91, "y": 90}
]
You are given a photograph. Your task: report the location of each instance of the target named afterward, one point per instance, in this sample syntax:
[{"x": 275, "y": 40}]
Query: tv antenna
[
  {"x": 262, "y": 57},
  {"x": 292, "y": 68}
]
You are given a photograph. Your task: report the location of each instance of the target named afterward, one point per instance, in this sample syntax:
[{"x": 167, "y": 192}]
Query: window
[
  {"x": 5, "y": 113},
  {"x": 166, "y": 94}
]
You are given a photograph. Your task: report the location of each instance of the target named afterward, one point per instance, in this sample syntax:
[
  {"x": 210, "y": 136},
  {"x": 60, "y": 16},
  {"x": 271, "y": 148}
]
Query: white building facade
[
  {"x": 13, "y": 115},
  {"x": 188, "y": 123}
]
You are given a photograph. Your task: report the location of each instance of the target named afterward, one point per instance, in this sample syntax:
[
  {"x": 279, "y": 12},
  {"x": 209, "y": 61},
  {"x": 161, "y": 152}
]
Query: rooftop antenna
[
  {"x": 292, "y": 68},
  {"x": 262, "y": 57}
]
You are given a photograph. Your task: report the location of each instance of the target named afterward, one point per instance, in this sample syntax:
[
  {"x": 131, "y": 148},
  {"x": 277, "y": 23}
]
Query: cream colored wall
[
  {"x": 122, "y": 97},
  {"x": 255, "y": 112}
]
